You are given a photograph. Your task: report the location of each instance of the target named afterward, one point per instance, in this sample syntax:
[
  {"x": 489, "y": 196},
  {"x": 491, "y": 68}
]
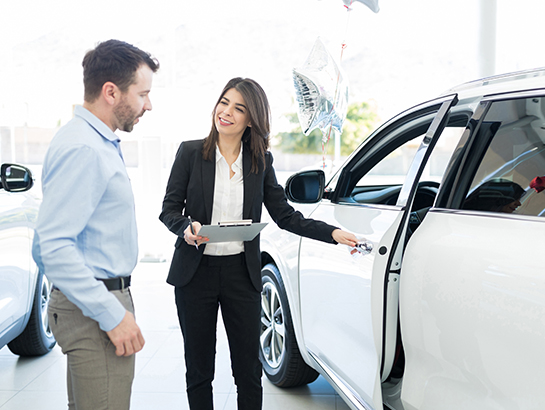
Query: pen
[{"x": 192, "y": 231}]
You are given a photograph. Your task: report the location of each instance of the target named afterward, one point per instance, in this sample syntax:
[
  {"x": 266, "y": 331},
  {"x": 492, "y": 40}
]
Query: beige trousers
[{"x": 97, "y": 379}]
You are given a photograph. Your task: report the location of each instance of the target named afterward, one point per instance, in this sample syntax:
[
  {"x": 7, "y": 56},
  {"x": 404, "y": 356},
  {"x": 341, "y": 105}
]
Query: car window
[
  {"x": 391, "y": 170},
  {"x": 394, "y": 167},
  {"x": 510, "y": 177},
  {"x": 382, "y": 183}
]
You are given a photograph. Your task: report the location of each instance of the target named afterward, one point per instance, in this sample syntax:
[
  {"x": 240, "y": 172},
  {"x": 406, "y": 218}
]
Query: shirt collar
[
  {"x": 238, "y": 161},
  {"x": 97, "y": 124}
]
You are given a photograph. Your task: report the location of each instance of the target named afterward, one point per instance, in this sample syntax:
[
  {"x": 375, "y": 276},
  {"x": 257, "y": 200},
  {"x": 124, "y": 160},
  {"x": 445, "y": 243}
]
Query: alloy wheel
[{"x": 272, "y": 326}]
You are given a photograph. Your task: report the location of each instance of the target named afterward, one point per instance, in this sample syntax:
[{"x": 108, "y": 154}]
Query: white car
[
  {"x": 442, "y": 306},
  {"x": 24, "y": 291}
]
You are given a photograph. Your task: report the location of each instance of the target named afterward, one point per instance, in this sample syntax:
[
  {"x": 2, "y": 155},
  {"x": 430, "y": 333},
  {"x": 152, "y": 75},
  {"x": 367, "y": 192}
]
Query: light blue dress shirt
[{"x": 86, "y": 226}]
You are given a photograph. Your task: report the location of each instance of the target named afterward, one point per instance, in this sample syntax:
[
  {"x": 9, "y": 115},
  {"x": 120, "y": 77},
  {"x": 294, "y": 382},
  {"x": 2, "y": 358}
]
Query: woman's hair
[
  {"x": 256, "y": 137},
  {"x": 493, "y": 195}
]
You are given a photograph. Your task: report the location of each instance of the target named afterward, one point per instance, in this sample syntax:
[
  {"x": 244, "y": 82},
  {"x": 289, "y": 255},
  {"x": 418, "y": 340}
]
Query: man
[{"x": 85, "y": 239}]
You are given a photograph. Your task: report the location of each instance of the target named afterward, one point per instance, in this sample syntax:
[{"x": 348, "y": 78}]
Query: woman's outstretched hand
[{"x": 346, "y": 238}]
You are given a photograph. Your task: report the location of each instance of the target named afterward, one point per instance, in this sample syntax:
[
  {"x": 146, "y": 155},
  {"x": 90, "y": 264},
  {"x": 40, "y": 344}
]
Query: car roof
[{"x": 520, "y": 80}]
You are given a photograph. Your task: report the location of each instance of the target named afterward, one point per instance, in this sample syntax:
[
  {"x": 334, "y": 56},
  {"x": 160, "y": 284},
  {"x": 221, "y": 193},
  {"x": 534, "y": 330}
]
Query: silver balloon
[
  {"x": 372, "y": 4},
  {"x": 322, "y": 92}
]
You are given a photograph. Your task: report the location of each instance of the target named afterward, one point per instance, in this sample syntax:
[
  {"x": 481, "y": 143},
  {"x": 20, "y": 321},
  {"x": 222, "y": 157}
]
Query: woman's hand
[
  {"x": 346, "y": 238},
  {"x": 190, "y": 238}
]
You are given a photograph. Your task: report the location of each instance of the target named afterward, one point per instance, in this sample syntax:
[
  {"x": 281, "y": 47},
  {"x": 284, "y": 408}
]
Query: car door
[
  {"x": 472, "y": 306},
  {"x": 15, "y": 261},
  {"x": 347, "y": 294}
]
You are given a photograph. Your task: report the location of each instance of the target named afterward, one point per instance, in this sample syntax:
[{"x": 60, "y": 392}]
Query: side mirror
[
  {"x": 15, "y": 178},
  {"x": 306, "y": 187}
]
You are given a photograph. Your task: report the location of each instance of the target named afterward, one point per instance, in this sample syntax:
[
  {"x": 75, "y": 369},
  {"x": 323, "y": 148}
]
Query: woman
[
  {"x": 227, "y": 176},
  {"x": 496, "y": 195}
]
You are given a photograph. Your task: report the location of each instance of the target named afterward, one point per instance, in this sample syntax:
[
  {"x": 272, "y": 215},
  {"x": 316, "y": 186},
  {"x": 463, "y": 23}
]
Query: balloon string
[
  {"x": 349, "y": 7},
  {"x": 343, "y": 46}
]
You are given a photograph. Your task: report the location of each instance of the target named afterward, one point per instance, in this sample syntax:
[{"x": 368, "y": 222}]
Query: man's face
[{"x": 135, "y": 101}]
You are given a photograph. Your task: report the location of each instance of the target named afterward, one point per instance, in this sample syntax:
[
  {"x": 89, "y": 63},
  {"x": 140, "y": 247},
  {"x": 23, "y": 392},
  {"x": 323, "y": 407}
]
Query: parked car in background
[
  {"x": 442, "y": 305},
  {"x": 24, "y": 291}
]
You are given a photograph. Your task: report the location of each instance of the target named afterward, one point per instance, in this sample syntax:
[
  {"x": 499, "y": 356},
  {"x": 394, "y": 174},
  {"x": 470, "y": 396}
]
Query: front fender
[{"x": 281, "y": 248}]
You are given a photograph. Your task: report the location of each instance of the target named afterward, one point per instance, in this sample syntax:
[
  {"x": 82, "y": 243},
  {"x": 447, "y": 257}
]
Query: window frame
[
  {"x": 401, "y": 129},
  {"x": 470, "y": 153}
]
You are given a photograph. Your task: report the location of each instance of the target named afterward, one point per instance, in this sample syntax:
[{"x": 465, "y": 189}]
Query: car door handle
[{"x": 361, "y": 249}]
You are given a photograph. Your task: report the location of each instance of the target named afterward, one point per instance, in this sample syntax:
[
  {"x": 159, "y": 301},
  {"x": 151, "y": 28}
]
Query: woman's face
[
  {"x": 231, "y": 116},
  {"x": 511, "y": 206}
]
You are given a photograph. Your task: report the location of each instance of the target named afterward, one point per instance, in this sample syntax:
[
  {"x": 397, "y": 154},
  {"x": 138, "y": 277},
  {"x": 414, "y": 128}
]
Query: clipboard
[{"x": 232, "y": 231}]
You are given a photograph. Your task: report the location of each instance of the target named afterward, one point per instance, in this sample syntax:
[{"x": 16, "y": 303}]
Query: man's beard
[{"x": 126, "y": 116}]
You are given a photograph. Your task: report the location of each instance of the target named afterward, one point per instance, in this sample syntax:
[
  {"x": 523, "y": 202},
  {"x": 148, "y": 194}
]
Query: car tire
[
  {"x": 279, "y": 353},
  {"x": 37, "y": 338}
]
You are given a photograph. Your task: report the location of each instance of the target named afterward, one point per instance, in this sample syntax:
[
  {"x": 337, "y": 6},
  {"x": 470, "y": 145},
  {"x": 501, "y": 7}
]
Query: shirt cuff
[{"x": 111, "y": 317}]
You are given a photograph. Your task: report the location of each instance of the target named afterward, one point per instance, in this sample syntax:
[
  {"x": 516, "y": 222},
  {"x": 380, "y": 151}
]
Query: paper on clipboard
[{"x": 231, "y": 231}]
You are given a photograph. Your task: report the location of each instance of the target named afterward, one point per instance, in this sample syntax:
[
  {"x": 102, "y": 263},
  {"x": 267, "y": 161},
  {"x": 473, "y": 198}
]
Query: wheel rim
[
  {"x": 272, "y": 326},
  {"x": 45, "y": 291}
]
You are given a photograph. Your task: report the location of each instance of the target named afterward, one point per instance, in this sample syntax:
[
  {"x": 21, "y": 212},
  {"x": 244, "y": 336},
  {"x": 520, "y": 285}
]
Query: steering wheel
[
  {"x": 432, "y": 184},
  {"x": 416, "y": 218}
]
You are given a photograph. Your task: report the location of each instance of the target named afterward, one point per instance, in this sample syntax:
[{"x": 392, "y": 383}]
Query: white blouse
[{"x": 228, "y": 202}]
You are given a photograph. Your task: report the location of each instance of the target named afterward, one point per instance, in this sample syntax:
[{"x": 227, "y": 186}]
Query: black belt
[{"x": 122, "y": 282}]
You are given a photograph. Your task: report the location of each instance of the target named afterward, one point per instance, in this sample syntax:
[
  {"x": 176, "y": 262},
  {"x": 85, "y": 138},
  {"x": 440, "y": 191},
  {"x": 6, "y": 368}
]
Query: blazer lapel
[
  {"x": 208, "y": 179},
  {"x": 250, "y": 181}
]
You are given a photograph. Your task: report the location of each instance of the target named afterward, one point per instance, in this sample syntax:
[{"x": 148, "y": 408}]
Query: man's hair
[{"x": 114, "y": 61}]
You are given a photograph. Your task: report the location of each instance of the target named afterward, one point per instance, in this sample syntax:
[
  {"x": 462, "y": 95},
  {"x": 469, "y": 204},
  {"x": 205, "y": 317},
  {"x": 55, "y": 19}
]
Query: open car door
[{"x": 349, "y": 296}]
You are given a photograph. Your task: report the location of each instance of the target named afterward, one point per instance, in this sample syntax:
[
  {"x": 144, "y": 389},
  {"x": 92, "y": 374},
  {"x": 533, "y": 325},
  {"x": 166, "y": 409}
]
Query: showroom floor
[{"x": 39, "y": 383}]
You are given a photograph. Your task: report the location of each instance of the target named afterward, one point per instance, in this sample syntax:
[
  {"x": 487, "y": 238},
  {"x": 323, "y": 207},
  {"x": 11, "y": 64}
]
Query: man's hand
[{"x": 126, "y": 336}]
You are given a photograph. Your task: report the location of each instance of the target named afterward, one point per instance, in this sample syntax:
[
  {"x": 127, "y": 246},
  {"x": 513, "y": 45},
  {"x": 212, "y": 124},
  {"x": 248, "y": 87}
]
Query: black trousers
[{"x": 221, "y": 281}]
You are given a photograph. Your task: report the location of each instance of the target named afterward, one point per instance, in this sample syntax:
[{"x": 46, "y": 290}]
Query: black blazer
[{"x": 190, "y": 192}]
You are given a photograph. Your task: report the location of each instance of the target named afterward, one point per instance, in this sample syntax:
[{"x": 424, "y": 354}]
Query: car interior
[{"x": 505, "y": 180}]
